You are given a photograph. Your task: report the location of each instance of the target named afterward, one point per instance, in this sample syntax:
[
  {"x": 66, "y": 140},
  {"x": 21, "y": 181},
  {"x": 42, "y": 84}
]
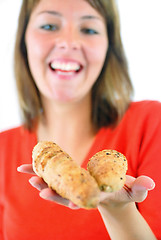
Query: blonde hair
[{"x": 112, "y": 92}]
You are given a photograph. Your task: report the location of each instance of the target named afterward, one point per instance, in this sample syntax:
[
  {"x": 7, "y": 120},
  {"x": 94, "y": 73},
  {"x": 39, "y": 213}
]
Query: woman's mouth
[{"x": 65, "y": 68}]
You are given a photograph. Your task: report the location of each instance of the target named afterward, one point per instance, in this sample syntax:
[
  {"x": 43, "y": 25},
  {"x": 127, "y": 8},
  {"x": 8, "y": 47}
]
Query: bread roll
[
  {"x": 63, "y": 175},
  {"x": 109, "y": 168}
]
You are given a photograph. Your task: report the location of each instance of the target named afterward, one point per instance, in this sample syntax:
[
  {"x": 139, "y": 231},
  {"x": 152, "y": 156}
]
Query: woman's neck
[{"x": 69, "y": 126}]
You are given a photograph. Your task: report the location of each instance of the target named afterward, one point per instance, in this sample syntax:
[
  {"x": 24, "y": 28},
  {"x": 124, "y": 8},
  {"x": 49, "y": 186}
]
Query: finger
[
  {"x": 127, "y": 188},
  {"x": 129, "y": 181},
  {"x": 73, "y": 206},
  {"x": 139, "y": 194},
  {"x": 38, "y": 183},
  {"x": 140, "y": 188},
  {"x": 144, "y": 182},
  {"x": 49, "y": 194},
  {"x": 137, "y": 189},
  {"x": 26, "y": 168}
]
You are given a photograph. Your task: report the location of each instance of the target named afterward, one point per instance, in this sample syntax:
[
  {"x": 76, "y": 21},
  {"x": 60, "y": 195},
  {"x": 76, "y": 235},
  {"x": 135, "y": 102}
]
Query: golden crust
[
  {"x": 64, "y": 176},
  {"x": 109, "y": 168}
]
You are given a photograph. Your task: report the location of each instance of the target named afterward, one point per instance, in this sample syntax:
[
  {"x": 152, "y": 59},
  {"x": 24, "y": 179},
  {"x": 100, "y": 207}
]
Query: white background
[{"x": 141, "y": 34}]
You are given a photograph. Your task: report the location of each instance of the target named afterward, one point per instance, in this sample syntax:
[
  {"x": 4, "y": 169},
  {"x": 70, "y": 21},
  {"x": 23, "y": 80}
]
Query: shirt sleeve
[{"x": 150, "y": 165}]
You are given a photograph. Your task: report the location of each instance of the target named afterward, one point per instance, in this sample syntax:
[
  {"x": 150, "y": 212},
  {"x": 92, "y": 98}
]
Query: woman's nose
[
  {"x": 68, "y": 41},
  {"x": 64, "y": 44}
]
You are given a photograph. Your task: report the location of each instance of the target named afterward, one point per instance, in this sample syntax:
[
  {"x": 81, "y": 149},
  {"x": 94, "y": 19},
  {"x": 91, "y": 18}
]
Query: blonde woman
[{"x": 74, "y": 89}]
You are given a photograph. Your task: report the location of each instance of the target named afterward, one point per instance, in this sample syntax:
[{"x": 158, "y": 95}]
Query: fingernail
[
  {"x": 37, "y": 186},
  {"x": 152, "y": 186},
  {"x": 42, "y": 196},
  {"x": 19, "y": 169}
]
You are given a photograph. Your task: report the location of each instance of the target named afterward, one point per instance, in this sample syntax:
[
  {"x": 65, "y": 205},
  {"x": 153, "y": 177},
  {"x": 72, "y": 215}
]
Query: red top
[{"x": 25, "y": 216}]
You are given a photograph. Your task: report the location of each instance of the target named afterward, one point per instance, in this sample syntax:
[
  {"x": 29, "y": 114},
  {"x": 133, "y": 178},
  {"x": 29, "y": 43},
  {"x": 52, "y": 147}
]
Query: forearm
[{"x": 125, "y": 223}]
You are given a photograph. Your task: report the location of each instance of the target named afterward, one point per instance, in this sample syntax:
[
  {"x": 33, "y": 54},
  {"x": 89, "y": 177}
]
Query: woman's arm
[{"x": 125, "y": 223}]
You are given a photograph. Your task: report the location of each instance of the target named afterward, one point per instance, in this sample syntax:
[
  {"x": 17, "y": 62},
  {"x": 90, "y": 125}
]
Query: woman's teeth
[{"x": 65, "y": 67}]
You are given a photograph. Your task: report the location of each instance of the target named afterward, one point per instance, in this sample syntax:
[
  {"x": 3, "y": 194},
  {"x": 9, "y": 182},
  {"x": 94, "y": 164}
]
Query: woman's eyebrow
[
  {"x": 52, "y": 13},
  {"x": 90, "y": 17}
]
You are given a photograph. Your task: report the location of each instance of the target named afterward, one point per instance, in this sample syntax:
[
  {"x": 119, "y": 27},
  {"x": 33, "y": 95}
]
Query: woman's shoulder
[
  {"x": 16, "y": 134},
  {"x": 141, "y": 117},
  {"x": 145, "y": 106},
  {"x": 9, "y": 131},
  {"x": 15, "y": 142},
  {"x": 144, "y": 109}
]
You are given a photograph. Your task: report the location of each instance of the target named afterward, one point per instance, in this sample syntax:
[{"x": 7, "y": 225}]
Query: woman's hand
[
  {"x": 45, "y": 192},
  {"x": 134, "y": 190}
]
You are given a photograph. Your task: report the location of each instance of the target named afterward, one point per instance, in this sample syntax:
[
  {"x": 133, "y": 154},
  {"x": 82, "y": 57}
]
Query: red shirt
[{"x": 25, "y": 216}]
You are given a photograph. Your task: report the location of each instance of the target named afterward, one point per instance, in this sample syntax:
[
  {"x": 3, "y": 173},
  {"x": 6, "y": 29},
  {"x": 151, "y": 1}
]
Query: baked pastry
[
  {"x": 106, "y": 172},
  {"x": 63, "y": 175},
  {"x": 109, "y": 168}
]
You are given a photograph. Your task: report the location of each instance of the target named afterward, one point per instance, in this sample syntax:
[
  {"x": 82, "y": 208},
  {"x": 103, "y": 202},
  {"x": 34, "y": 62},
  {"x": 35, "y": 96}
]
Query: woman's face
[{"x": 66, "y": 44}]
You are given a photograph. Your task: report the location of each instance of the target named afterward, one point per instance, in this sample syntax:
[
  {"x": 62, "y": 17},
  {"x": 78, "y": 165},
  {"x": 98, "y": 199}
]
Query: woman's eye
[
  {"x": 89, "y": 31},
  {"x": 49, "y": 27}
]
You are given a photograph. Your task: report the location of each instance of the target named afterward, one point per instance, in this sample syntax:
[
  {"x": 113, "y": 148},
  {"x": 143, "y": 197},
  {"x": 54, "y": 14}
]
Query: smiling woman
[{"x": 74, "y": 89}]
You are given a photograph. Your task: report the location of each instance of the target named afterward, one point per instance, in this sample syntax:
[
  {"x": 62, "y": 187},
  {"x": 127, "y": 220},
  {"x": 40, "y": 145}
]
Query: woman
[{"x": 74, "y": 89}]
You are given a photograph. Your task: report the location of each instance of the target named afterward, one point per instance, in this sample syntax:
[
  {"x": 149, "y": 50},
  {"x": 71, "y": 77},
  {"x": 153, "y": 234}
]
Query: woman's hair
[{"x": 111, "y": 93}]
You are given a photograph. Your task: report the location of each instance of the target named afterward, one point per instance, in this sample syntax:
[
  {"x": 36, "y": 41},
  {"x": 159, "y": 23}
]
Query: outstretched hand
[
  {"x": 134, "y": 190},
  {"x": 45, "y": 192}
]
